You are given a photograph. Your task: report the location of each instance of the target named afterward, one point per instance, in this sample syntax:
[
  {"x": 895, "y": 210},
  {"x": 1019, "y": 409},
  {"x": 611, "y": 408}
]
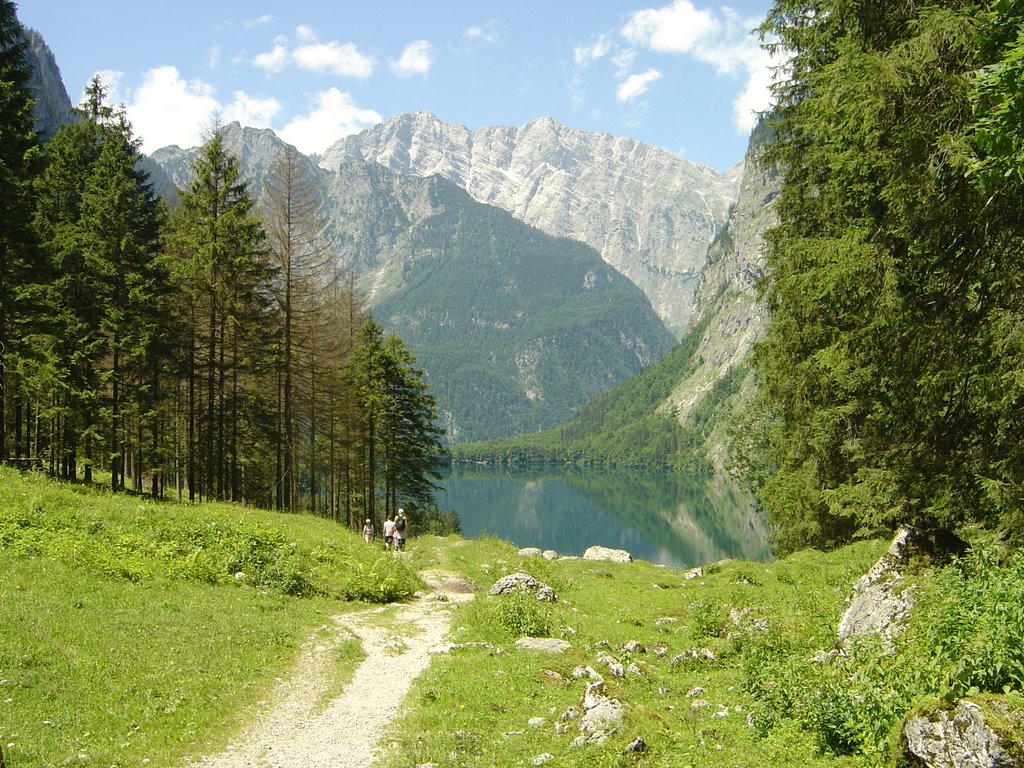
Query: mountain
[
  {"x": 682, "y": 411},
  {"x": 649, "y": 213},
  {"x": 53, "y": 106},
  {"x": 727, "y": 307},
  {"x": 514, "y": 328}
]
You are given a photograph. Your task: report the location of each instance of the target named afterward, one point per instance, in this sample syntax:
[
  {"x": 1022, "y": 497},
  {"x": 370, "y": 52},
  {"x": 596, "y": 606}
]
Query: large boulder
[
  {"x": 523, "y": 583},
  {"x": 606, "y": 553},
  {"x": 881, "y": 601},
  {"x": 967, "y": 736}
]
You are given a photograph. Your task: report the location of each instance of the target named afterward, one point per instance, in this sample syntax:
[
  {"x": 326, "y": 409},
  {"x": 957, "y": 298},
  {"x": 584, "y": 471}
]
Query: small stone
[
  {"x": 634, "y": 646},
  {"x": 529, "y": 552},
  {"x": 697, "y": 704},
  {"x": 549, "y": 554},
  {"x": 617, "y": 669},
  {"x": 536, "y": 722},
  {"x": 694, "y": 692},
  {"x": 665, "y": 620},
  {"x": 543, "y": 759},
  {"x": 633, "y": 670},
  {"x": 636, "y": 746},
  {"x": 694, "y": 573}
]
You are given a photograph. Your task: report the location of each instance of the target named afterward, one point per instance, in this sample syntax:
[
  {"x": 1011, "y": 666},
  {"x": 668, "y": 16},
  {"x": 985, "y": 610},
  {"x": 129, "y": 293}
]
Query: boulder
[
  {"x": 524, "y": 583},
  {"x": 881, "y": 601},
  {"x": 529, "y": 552},
  {"x": 606, "y": 553},
  {"x": 963, "y": 737},
  {"x": 543, "y": 644}
]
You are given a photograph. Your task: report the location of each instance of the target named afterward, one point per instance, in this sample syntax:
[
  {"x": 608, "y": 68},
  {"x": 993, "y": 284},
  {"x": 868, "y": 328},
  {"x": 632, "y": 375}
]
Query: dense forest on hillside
[
  {"x": 208, "y": 352},
  {"x": 626, "y": 426},
  {"x": 518, "y": 325}
]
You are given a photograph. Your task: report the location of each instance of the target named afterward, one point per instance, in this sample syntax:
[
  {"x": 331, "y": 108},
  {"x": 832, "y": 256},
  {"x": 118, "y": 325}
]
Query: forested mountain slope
[
  {"x": 649, "y": 213},
  {"x": 515, "y": 329}
]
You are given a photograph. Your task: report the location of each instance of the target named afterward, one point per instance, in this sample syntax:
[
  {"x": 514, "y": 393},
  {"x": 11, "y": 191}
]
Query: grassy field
[{"x": 134, "y": 633}]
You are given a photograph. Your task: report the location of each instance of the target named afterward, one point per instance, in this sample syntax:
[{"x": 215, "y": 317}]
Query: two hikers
[{"x": 394, "y": 531}]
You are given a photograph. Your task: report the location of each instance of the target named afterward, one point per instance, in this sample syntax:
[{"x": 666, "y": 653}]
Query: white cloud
[
  {"x": 272, "y": 61},
  {"x": 677, "y": 28},
  {"x": 213, "y": 56},
  {"x": 416, "y": 59},
  {"x": 305, "y": 33},
  {"x": 339, "y": 59},
  {"x": 334, "y": 117},
  {"x": 598, "y": 48},
  {"x": 636, "y": 85},
  {"x": 259, "y": 21},
  {"x": 487, "y": 33},
  {"x": 722, "y": 40},
  {"x": 251, "y": 111},
  {"x": 623, "y": 61},
  {"x": 166, "y": 109}
]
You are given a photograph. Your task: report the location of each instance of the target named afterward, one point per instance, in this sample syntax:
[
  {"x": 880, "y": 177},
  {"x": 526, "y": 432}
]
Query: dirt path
[{"x": 294, "y": 733}]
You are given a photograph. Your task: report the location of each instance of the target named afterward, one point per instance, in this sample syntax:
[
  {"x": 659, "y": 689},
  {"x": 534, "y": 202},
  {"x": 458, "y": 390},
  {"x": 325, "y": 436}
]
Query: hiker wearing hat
[{"x": 368, "y": 531}]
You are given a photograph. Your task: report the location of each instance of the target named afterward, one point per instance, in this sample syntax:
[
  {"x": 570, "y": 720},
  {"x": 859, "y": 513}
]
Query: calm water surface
[{"x": 658, "y": 517}]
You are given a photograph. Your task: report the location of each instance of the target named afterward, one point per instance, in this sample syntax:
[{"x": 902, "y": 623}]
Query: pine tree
[
  {"x": 220, "y": 266},
  {"x": 20, "y": 266}
]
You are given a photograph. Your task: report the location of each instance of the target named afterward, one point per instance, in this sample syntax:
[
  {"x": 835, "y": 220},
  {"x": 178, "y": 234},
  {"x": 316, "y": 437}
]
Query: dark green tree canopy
[{"x": 894, "y": 281}]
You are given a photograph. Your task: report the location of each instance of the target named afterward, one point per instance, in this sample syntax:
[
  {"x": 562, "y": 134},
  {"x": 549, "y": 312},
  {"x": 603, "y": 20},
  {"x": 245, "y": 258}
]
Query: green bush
[{"x": 523, "y": 615}]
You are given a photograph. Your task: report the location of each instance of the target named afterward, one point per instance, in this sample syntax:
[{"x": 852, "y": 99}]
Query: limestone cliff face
[
  {"x": 727, "y": 295},
  {"x": 650, "y": 214},
  {"x": 53, "y": 106}
]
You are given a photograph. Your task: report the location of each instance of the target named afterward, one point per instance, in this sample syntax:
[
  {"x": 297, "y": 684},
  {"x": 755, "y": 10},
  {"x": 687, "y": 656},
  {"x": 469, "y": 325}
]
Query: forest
[{"x": 210, "y": 352}]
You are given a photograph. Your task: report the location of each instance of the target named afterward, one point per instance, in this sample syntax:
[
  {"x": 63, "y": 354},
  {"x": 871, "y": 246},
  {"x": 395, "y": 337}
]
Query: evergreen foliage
[
  {"x": 21, "y": 271},
  {"x": 627, "y": 426},
  {"x": 894, "y": 274},
  {"x": 543, "y": 324},
  {"x": 204, "y": 353}
]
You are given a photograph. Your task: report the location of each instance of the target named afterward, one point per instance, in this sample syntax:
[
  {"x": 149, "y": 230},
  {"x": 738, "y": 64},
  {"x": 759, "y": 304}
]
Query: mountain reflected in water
[{"x": 664, "y": 518}]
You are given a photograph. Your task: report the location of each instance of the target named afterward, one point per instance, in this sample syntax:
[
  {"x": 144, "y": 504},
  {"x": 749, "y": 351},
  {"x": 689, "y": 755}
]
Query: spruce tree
[
  {"x": 888, "y": 277},
  {"x": 20, "y": 266}
]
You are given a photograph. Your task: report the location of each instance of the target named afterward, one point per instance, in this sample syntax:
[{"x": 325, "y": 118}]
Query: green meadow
[{"x": 140, "y": 633}]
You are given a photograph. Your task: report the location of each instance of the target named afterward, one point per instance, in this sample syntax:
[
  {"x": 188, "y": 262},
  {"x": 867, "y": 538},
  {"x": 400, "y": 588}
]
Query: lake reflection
[{"x": 659, "y": 517}]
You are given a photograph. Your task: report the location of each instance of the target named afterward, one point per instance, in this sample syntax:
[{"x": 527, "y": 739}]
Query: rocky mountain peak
[{"x": 649, "y": 213}]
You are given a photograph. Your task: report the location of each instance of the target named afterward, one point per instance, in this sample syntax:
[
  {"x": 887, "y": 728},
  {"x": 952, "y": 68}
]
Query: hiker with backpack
[{"x": 400, "y": 525}]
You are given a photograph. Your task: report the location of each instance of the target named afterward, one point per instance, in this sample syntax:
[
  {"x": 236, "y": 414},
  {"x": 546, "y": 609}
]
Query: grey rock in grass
[
  {"x": 543, "y": 759},
  {"x": 549, "y": 554},
  {"x": 523, "y": 583},
  {"x": 606, "y": 716},
  {"x": 694, "y": 573},
  {"x": 529, "y": 552},
  {"x": 961, "y": 738},
  {"x": 637, "y": 745},
  {"x": 606, "y": 553},
  {"x": 543, "y": 644},
  {"x": 881, "y": 601}
]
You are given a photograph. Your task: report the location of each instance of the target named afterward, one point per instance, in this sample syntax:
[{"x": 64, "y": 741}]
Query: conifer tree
[
  {"x": 20, "y": 267},
  {"x": 220, "y": 265}
]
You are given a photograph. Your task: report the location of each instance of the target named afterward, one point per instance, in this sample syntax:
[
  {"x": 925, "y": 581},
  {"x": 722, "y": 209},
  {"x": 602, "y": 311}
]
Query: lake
[{"x": 660, "y": 517}]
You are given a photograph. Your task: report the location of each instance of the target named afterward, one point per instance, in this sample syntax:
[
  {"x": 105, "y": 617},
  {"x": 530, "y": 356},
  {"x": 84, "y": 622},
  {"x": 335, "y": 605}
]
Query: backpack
[{"x": 400, "y": 524}]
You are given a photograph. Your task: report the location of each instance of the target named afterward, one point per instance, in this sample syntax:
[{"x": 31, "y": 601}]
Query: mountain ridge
[{"x": 649, "y": 213}]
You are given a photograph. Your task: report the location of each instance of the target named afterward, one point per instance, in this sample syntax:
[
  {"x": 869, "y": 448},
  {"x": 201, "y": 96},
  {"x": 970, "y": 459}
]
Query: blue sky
[{"x": 684, "y": 75}]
